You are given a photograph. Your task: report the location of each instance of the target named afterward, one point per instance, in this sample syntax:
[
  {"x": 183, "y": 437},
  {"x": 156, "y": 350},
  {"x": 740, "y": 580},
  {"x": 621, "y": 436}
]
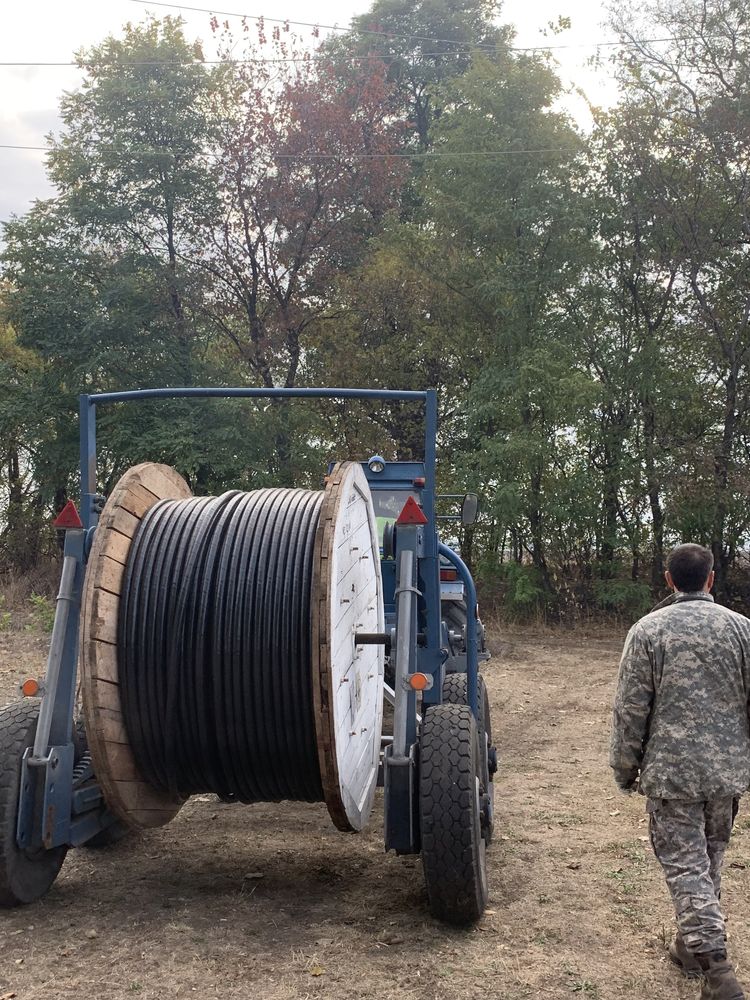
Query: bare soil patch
[{"x": 270, "y": 901}]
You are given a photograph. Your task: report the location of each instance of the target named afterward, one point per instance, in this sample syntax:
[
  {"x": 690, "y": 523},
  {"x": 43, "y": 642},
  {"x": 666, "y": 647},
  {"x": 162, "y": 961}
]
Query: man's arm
[{"x": 632, "y": 709}]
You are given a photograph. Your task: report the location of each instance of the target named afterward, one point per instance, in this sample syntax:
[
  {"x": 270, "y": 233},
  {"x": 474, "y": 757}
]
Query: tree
[
  {"x": 502, "y": 191},
  {"x": 21, "y": 501},
  {"x": 424, "y": 44},
  {"x": 102, "y": 280},
  {"x": 306, "y": 176},
  {"x": 133, "y": 162},
  {"x": 694, "y": 134}
]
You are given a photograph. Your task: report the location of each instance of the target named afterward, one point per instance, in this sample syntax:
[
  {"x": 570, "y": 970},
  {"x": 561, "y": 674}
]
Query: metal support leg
[
  {"x": 65, "y": 598},
  {"x": 45, "y": 800},
  {"x": 404, "y": 651},
  {"x": 400, "y": 758}
]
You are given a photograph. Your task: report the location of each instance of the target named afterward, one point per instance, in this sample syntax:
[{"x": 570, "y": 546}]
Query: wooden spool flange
[
  {"x": 127, "y": 795},
  {"x": 347, "y": 594}
]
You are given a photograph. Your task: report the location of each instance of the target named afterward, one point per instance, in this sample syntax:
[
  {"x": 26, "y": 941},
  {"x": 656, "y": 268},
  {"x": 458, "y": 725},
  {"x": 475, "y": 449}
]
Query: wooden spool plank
[
  {"x": 128, "y": 796},
  {"x": 347, "y": 597}
]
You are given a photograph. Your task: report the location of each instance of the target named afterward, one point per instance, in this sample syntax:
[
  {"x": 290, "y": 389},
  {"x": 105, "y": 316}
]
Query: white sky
[{"x": 51, "y": 30}]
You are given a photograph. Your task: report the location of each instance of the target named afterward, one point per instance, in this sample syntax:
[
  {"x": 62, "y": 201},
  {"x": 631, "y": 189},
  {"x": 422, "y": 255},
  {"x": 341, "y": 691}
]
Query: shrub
[{"x": 629, "y": 598}]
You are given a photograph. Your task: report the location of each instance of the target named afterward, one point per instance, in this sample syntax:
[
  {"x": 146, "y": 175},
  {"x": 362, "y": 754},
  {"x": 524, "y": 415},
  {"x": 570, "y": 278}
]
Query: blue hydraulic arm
[{"x": 472, "y": 647}]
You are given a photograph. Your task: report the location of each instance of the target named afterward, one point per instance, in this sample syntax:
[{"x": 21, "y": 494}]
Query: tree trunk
[
  {"x": 722, "y": 464},
  {"x": 654, "y": 496},
  {"x": 538, "y": 547}
]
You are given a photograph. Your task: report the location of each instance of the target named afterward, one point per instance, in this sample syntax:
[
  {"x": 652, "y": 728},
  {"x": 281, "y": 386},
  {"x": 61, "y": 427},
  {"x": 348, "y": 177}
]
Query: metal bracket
[{"x": 47, "y": 781}]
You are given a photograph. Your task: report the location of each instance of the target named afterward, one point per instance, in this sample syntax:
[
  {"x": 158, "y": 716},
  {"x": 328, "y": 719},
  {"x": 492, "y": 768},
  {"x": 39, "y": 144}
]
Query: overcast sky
[{"x": 51, "y": 31}]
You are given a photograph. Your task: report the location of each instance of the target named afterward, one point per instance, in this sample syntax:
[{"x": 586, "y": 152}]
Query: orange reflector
[
  {"x": 418, "y": 681},
  {"x": 30, "y": 688}
]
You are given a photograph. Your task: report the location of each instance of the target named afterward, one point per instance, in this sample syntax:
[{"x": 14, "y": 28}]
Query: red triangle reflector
[
  {"x": 68, "y": 517},
  {"x": 412, "y": 513}
]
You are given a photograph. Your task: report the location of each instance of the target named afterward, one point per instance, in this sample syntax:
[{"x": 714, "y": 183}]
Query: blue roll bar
[{"x": 88, "y": 404}]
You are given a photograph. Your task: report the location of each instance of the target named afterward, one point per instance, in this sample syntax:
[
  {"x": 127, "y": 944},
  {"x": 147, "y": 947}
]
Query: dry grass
[{"x": 577, "y": 905}]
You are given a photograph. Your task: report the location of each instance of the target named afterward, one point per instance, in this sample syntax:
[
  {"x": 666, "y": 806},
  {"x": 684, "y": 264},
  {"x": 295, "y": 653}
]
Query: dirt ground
[{"x": 271, "y": 902}]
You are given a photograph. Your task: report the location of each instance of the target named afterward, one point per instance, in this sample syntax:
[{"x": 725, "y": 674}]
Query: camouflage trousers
[{"x": 689, "y": 840}]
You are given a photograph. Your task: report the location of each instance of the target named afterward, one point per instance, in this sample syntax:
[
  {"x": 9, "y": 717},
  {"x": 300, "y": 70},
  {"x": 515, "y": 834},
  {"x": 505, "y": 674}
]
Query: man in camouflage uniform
[{"x": 680, "y": 735}]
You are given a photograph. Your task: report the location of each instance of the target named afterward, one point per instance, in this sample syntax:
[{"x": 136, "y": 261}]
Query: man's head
[{"x": 690, "y": 568}]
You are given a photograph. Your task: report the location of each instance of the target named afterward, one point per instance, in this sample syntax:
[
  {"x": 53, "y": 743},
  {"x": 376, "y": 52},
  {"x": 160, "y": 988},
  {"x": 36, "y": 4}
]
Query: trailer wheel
[
  {"x": 453, "y": 850},
  {"x": 455, "y": 693},
  {"x": 25, "y": 875}
]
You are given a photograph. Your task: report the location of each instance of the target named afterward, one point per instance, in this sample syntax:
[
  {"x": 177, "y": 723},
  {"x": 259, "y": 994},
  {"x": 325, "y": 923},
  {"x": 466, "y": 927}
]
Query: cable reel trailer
[{"x": 237, "y": 645}]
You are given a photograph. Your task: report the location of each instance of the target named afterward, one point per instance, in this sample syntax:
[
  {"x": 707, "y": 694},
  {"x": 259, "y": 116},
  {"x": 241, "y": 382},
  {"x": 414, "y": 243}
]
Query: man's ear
[
  {"x": 670, "y": 581},
  {"x": 710, "y": 581}
]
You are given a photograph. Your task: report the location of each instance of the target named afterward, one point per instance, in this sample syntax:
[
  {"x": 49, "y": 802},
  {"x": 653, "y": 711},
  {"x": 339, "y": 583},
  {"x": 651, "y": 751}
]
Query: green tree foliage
[
  {"x": 505, "y": 192},
  {"x": 423, "y": 44},
  {"x": 686, "y": 125},
  {"x": 21, "y": 510}
]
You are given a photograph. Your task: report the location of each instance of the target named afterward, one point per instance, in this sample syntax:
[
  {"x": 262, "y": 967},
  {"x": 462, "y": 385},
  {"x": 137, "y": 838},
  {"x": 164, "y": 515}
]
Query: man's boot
[
  {"x": 685, "y": 960},
  {"x": 720, "y": 982}
]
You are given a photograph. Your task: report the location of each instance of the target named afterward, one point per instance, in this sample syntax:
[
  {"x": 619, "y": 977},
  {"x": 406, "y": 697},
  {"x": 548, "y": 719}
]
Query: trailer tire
[
  {"x": 455, "y": 693},
  {"x": 25, "y": 876},
  {"x": 453, "y": 849}
]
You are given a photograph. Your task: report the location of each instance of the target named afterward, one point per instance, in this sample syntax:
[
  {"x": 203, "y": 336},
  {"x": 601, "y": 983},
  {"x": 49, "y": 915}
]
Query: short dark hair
[{"x": 689, "y": 566}]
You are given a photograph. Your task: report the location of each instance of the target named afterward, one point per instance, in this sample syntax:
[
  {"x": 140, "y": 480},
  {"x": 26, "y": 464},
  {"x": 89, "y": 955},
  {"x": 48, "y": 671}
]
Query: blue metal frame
[
  {"x": 89, "y": 403},
  {"x": 76, "y": 812}
]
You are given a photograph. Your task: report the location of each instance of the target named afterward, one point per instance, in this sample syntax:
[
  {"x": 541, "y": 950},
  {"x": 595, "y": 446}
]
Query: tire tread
[{"x": 452, "y": 849}]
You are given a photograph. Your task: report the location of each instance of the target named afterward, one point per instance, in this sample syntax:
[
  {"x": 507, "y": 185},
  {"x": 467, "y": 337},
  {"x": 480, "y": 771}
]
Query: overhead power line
[
  {"x": 308, "y": 24},
  {"x": 468, "y": 46},
  {"x": 436, "y": 154},
  {"x": 373, "y": 57}
]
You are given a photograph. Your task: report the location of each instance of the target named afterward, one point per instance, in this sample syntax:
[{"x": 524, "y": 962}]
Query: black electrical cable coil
[{"x": 214, "y": 646}]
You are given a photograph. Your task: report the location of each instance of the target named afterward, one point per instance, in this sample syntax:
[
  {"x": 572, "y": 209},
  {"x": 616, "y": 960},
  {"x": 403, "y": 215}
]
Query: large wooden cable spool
[{"x": 345, "y": 680}]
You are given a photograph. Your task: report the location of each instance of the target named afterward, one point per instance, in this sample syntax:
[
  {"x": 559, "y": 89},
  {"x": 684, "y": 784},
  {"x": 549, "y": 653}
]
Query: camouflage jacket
[{"x": 681, "y": 707}]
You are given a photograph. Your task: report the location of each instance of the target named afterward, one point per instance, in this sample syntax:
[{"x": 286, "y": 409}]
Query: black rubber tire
[
  {"x": 25, "y": 876},
  {"x": 453, "y": 850},
  {"x": 118, "y": 830},
  {"x": 454, "y": 693}
]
